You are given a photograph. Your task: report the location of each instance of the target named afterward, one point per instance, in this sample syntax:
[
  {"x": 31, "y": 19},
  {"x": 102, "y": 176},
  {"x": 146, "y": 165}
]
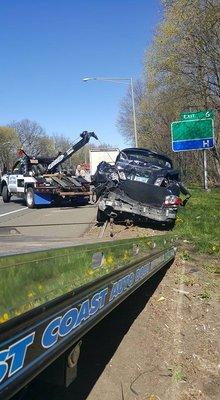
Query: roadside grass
[
  {"x": 198, "y": 224},
  {"x": 31, "y": 279},
  {"x": 205, "y": 295},
  {"x": 184, "y": 255},
  {"x": 187, "y": 280},
  {"x": 178, "y": 374},
  {"x": 198, "y": 232},
  {"x": 208, "y": 289},
  {"x": 212, "y": 269}
]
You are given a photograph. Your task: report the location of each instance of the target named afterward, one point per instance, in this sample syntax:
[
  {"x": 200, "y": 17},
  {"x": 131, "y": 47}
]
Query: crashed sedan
[{"x": 141, "y": 184}]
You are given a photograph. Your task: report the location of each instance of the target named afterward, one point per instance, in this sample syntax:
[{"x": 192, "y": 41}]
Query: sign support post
[{"x": 205, "y": 169}]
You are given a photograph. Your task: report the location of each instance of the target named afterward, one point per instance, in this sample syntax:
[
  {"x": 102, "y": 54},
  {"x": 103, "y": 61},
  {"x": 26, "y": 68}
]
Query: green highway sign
[
  {"x": 192, "y": 134},
  {"x": 197, "y": 115},
  {"x": 195, "y": 131},
  {"x": 192, "y": 129}
]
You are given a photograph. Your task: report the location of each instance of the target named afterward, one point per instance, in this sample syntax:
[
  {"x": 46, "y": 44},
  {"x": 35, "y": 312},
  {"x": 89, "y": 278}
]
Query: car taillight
[{"x": 173, "y": 201}]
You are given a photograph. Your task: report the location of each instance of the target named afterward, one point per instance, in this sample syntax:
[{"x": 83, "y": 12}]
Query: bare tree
[
  {"x": 125, "y": 121},
  {"x": 33, "y": 138}
]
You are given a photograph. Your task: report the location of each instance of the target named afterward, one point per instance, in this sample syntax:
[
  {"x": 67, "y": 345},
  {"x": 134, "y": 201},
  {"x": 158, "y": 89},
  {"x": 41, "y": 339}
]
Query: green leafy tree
[
  {"x": 183, "y": 66},
  {"x": 181, "y": 73},
  {"x": 9, "y": 145}
]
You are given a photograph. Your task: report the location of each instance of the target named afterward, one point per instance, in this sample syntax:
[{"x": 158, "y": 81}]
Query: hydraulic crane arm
[{"x": 73, "y": 149}]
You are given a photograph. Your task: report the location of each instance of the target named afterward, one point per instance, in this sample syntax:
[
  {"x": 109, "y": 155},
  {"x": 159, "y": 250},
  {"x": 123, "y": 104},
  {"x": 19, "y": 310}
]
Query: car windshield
[{"x": 144, "y": 159}]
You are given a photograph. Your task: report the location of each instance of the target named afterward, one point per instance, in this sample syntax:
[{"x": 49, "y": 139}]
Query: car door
[{"x": 16, "y": 179}]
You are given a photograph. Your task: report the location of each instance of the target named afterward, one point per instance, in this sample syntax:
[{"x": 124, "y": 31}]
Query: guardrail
[{"x": 83, "y": 284}]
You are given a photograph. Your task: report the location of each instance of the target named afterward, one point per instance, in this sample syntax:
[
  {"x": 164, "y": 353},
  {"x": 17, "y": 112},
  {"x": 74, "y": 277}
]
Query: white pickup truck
[{"x": 18, "y": 182}]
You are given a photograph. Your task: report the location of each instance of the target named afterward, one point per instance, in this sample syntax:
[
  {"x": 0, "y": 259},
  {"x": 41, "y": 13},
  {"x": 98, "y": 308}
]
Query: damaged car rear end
[{"x": 142, "y": 184}]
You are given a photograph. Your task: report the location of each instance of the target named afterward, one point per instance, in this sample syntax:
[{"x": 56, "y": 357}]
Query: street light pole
[
  {"x": 134, "y": 114},
  {"x": 121, "y": 80}
]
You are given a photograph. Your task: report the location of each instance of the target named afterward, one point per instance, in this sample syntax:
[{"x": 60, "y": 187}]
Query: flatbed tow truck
[
  {"x": 50, "y": 299},
  {"x": 40, "y": 181}
]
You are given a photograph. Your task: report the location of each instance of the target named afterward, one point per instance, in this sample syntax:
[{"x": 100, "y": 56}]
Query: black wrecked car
[{"x": 142, "y": 183}]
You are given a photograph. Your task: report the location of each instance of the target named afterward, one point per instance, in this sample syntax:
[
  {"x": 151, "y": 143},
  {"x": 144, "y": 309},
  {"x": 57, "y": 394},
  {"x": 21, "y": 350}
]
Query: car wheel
[
  {"x": 30, "y": 198},
  {"x": 169, "y": 225},
  {"x": 5, "y": 194},
  {"x": 101, "y": 216}
]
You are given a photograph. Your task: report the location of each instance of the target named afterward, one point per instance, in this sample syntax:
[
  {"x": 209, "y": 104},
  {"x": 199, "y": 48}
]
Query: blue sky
[{"x": 49, "y": 46}]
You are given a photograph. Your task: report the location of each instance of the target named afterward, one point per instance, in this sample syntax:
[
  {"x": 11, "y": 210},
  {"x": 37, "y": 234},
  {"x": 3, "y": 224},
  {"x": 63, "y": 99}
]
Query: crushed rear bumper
[{"x": 115, "y": 203}]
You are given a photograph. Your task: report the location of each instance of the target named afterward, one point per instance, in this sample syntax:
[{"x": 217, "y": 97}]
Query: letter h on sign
[{"x": 205, "y": 143}]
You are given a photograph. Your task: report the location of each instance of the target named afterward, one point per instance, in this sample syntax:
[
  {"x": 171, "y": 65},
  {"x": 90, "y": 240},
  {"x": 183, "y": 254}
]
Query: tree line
[
  {"x": 32, "y": 137},
  {"x": 181, "y": 73}
]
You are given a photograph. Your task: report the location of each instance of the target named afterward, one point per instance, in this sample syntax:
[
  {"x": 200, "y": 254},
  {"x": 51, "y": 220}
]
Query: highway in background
[{"x": 23, "y": 229}]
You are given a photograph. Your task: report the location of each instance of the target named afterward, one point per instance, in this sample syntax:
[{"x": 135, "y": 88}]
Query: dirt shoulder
[
  {"x": 122, "y": 231},
  {"x": 171, "y": 351}
]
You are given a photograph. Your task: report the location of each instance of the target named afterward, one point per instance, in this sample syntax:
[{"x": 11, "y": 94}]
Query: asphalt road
[{"x": 23, "y": 229}]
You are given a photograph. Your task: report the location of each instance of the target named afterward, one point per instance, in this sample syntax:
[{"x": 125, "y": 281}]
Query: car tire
[
  {"x": 30, "y": 198},
  {"x": 170, "y": 224},
  {"x": 101, "y": 216},
  {"x": 5, "y": 194}
]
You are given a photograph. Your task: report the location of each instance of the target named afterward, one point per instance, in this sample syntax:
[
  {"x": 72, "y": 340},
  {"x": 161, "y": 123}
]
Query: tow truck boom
[{"x": 61, "y": 158}]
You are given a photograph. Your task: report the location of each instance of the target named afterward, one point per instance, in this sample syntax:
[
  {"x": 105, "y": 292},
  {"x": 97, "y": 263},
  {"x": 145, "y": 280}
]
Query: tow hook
[
  {"x": 74, "y": 356},
  {"x": 72, "y": 361}
]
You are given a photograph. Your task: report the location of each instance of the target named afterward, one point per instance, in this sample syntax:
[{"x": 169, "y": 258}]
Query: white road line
[{"x": 12, "y": 212}]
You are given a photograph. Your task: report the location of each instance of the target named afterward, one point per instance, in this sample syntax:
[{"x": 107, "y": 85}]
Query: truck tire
[
  {"x": 30, "y": 197},
  {"x": 5, "y": 194},
  {"x": 101, "y": 216}
]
